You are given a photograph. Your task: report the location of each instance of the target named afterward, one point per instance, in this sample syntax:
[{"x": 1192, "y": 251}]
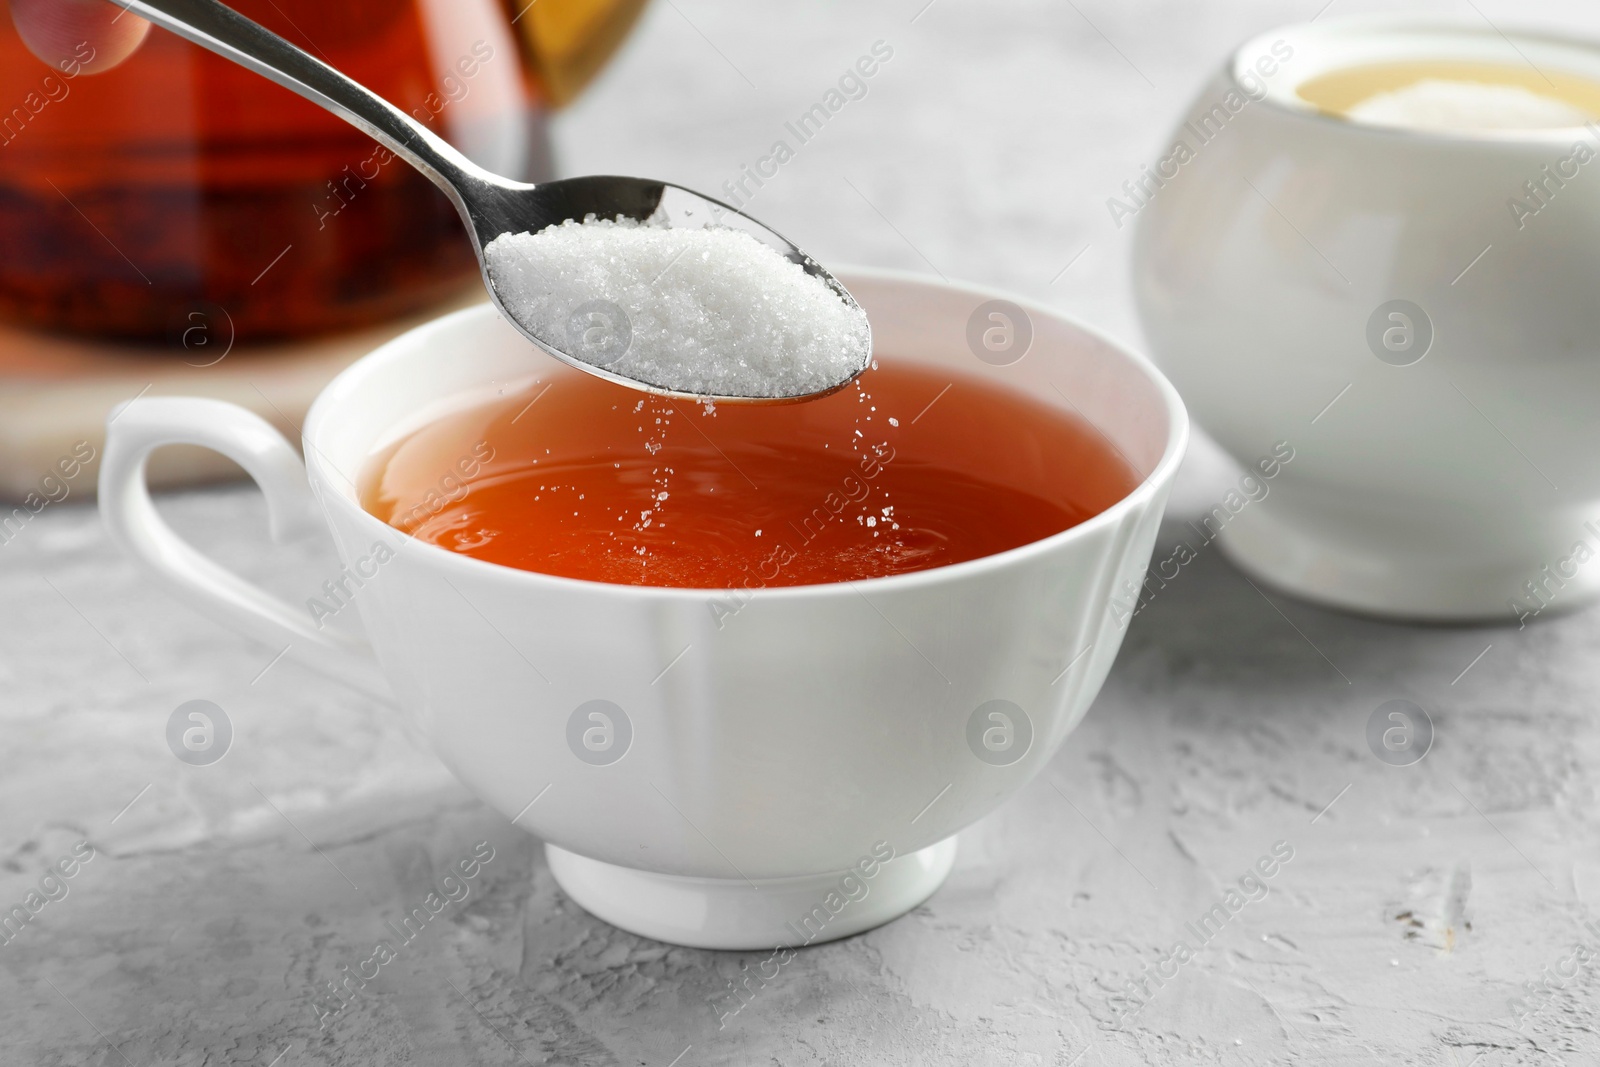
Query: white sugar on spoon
[{"x": 708, "y": 311}]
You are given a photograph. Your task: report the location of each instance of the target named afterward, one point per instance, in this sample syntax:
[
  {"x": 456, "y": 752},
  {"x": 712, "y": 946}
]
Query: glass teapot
[{"x": 178, "y": 183}]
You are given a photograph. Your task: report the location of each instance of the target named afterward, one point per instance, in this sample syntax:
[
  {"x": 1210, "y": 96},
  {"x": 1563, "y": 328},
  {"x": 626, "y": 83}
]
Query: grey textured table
[{"x": 219, "y": 902}]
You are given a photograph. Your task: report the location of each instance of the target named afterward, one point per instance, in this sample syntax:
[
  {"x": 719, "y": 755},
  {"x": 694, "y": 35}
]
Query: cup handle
[{"x": 137, "y": 428}]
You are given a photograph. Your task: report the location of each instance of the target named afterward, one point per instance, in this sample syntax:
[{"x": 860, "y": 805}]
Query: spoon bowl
[
  {"x": 504, "y": 206},
  {"x": 490, "y": 205}
]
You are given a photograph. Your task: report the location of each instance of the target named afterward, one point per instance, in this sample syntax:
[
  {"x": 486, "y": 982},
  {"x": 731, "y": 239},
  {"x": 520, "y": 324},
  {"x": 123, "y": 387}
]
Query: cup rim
[
  {"x": 1289, "y": 105},
  {"x": 348, "y": 381}
]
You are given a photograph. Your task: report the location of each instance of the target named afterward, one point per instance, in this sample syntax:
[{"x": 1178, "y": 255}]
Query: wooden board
[{"x": 56, "y": 391}]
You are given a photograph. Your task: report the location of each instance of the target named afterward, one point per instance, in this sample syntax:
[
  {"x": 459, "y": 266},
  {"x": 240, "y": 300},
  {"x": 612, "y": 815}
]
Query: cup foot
[
  {"x": 1327, "y": 564},
  {"x": 731, "y": 913}
]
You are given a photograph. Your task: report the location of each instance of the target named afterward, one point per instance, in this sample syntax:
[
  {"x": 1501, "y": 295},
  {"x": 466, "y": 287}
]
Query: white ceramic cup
[
  {"x": 801, "y": 770},
  {"x": 1375, "y": 298}
]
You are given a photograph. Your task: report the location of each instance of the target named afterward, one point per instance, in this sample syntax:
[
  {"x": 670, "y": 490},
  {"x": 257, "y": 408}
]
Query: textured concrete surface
[{"x": 219, "y": 902}]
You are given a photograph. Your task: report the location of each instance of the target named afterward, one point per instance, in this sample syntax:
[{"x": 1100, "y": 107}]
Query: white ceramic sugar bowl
[{"x": 1416, "y": 314}]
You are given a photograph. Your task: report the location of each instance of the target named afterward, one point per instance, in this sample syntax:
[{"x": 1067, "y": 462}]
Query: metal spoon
[{"x": 489, "y": 204}]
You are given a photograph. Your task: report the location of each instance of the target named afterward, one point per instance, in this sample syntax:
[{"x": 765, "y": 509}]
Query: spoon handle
[{"x": 224, "y": 31}]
